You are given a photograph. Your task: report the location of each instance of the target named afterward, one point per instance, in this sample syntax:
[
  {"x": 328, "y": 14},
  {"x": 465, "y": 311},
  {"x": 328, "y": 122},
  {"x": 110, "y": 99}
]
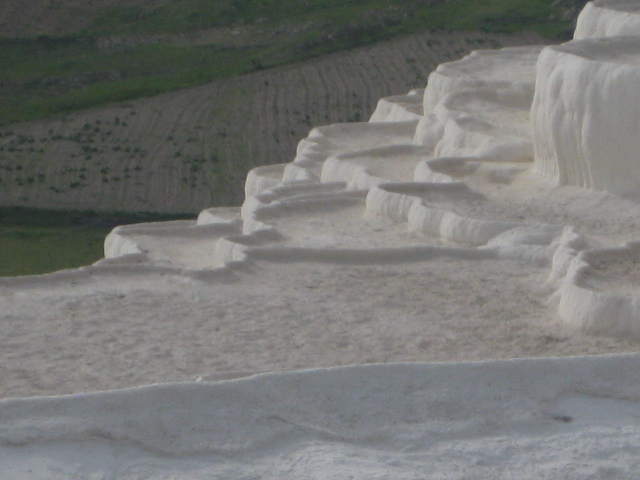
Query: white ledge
[{"x": 608, "y": 18}]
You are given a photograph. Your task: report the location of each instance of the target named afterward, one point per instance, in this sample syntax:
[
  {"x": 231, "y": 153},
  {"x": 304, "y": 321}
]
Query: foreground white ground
[
  {"x": 304, "y": 335},
  {"x": 512, "y": 419},
  {"x": 127, "y": 330}
]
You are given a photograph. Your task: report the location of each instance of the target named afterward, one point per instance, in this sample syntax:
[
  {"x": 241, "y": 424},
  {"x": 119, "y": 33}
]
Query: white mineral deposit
[
  {"x": 450, "y": 290},
  {"x": 608, "y": 18},
  {"x": 585, "y": 114}
]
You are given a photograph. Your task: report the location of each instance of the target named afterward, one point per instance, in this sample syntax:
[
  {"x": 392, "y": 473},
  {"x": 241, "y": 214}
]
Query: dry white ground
[{"x": 120, "y": 331}]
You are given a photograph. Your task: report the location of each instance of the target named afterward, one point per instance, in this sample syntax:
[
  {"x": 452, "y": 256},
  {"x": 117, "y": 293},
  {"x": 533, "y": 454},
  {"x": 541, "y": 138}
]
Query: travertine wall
[{"x": 586, "y": 114}]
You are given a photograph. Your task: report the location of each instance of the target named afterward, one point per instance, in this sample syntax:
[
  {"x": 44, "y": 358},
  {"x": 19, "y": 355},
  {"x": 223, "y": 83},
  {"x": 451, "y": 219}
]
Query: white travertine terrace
[
  {"x": 473, "y": 104},
  {"x": 399, "y": 108},
  {"x": 517, "y": 163},
  {"x": 600, "y": 292},
  {"x": 364, "y": 169},
  {"x": 333, "y": 139},
  {"x": 608, "y": 18},
  {"x": 586, "y": 113},
  {"x": 472, "y": 161},
  {"x": 511, "y": 68}
]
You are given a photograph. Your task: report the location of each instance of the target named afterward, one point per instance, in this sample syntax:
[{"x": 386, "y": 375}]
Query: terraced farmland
[{"x": 184, "y": 151}]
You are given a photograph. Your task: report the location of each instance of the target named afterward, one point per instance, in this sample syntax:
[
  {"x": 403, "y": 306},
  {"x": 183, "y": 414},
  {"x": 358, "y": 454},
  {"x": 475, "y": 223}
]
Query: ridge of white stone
[
  {"x": 599, "y": 292},
  {"x": 399, "y": 108},
  {"x": 585, "y": 114}
]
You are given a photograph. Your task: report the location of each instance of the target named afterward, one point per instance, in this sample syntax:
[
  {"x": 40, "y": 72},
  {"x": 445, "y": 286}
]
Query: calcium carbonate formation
[
  {"x": 528, "y": 154},
  {"x": 478, "y": 163}
]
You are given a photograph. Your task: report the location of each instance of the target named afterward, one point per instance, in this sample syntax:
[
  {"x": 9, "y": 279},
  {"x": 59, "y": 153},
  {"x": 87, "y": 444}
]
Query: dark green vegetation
[
  {"x": 39, "y": 241},
  {"x": 118, "y": 53}
]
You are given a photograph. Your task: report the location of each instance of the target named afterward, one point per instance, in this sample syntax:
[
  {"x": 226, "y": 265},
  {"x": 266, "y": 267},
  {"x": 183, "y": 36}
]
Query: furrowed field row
[{"x": 185, "y": 151}]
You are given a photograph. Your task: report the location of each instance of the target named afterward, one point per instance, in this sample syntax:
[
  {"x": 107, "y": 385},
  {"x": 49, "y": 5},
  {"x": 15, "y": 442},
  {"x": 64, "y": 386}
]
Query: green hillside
[{"x": 83, "y": 56}]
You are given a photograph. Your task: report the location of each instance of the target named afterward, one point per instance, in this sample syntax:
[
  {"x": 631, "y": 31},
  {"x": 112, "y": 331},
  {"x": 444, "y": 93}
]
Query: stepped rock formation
[
  {"x": 519, "y": 162},
  {"x": 495, "y": 123}
]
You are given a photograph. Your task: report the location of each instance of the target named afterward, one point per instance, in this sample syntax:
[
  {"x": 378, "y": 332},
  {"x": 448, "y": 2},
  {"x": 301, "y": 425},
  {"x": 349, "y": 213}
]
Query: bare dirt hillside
[{"x": 189, "y": 150}]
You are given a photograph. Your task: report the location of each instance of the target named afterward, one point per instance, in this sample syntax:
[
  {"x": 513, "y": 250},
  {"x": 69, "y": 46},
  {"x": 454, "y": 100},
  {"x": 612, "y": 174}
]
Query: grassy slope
[
  {"x": 34, "y": 250},
  {"x": 40, "y": 241},
  {"x": 106, "y": 52}
]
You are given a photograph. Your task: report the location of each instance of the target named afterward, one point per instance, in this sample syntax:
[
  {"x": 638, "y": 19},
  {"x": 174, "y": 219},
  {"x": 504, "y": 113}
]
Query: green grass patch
[
  {"x": 37, "y": 250},
  {"x": 497, "y": 16},
  {"x": 55, "y": 79},
  {"x": 35, "y": 241}
]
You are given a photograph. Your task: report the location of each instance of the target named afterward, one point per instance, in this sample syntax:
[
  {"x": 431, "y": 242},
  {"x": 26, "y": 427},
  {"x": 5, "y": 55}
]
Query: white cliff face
[
  {"x": 586, "y": 114},
  {"x": 608, "y": 18},
  {"x": 478, "y": 106}
]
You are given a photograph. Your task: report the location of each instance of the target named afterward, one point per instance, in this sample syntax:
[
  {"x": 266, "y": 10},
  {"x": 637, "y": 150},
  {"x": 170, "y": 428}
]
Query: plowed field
[{"x": 188, "y": 150}]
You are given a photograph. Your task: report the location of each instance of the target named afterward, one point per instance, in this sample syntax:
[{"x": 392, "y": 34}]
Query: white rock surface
[
  {"x": 524, "y": 418},
  {"x": 507, "y": 68},
  {"x": 429, "y": 234},
  {"x": 479, "y": 106},
  {"x": 399, "y": 108},
  {"x": 608, "y": 18},
  {"x": 585, "y": 114}
]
